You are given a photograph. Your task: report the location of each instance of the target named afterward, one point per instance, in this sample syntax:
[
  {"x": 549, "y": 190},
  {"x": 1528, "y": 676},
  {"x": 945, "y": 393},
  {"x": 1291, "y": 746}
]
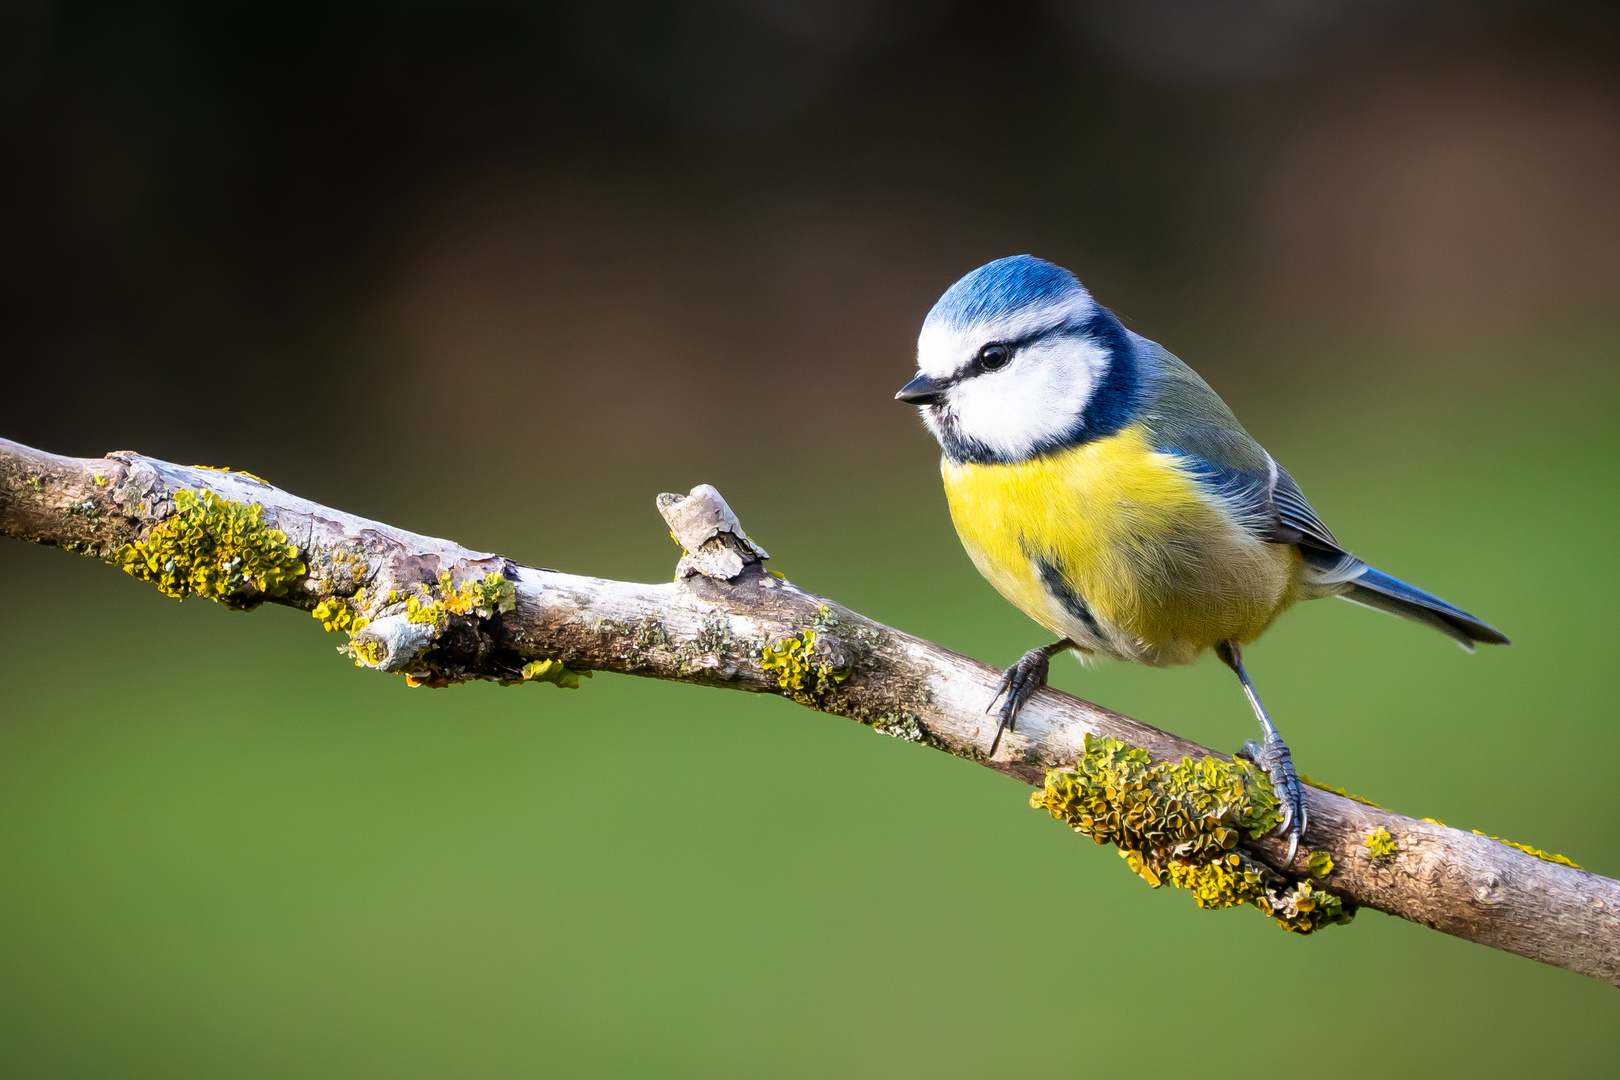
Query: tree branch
[{"x": 439, "y": 613}]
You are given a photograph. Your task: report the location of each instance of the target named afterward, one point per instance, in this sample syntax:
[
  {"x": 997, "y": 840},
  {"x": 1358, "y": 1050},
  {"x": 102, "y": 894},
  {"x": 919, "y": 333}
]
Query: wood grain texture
[{"x": 715, "y": 631}]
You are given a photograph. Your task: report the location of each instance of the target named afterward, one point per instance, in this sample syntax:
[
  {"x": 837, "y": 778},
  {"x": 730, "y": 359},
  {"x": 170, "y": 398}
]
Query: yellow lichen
[
  {"x": 486, "y": 596},
  {"x": 424, "y": 610},
  {"x": 554, "y": 672},
  {"x": 335, "y": 614},
  {"x": 1379, "y": 843},
  {"x": 228, "y": 469},
  {"x": 1339, "y": 791},
  {"x": 798, "y": 670},
  {"x": 1181, "y": 822},
  {"x": 1303, "y": 908},
  {"x": 1230, "y": 881},
  {"x": 789, "y": 661},
  {"x": 368, "y": 651},
  {"x": 353, "y": 562},
  {"x": 1320, "y": 864},
  {"x": 216, "y": 548},
  {"x": 1545, "y": 856}
]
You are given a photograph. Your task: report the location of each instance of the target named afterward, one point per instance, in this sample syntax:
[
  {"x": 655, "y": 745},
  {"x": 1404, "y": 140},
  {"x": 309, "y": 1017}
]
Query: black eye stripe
[{"x": 977, "y": 366}]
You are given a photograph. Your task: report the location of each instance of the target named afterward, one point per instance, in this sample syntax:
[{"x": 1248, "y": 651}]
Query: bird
[{"x": 1101, "y": 486}]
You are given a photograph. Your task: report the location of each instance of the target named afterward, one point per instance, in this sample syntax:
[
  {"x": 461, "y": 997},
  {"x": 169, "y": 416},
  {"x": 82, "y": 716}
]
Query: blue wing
[
  {"x": 1269, "y": 502},
  {"x": 1187, "y": 418}
]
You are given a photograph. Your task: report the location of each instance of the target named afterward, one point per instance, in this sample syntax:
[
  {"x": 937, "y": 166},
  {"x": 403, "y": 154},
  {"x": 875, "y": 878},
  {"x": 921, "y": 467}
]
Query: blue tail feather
[{"x": 1376, "y": 589}]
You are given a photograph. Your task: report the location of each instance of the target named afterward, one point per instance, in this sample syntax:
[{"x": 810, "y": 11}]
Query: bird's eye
[{"x": 994, "y": 357}]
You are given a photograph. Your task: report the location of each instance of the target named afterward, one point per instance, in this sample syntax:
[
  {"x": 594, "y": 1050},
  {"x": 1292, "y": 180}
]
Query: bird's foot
[
  {"x": 1018, "y": 685},
  {"x": 1273, "y": 756}
]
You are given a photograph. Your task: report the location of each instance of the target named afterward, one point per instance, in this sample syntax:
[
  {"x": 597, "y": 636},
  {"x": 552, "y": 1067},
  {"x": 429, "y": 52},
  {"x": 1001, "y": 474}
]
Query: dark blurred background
[{"x": 503, "y": 271}]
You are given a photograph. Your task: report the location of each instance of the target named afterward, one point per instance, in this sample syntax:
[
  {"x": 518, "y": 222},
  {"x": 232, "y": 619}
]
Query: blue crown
[{"x": 1000, "y": 288}]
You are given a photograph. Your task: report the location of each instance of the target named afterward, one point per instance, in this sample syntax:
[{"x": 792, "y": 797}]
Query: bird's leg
[
  {"x": 1020, "y": 682},
  {"x": 1272, "y": 755}
]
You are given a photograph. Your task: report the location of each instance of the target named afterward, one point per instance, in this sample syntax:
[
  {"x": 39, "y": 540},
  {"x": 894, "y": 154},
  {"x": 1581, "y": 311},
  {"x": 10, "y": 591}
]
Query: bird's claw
[
  {"x": 1273, "y": 756},
  {"x": 1018, "y": 685}
]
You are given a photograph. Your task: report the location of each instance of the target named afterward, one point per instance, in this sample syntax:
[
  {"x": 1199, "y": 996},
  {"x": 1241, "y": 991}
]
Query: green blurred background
[{"x": 503, "y": 272}]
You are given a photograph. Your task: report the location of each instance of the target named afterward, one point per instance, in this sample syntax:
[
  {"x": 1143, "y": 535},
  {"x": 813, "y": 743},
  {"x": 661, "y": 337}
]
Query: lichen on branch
[
  {"x": 1181, "y": 822},
  {"x": 485, "y": 595},
  {"x": 216, "y": 548},
  {"x": 553, "y": 671},
  {"x": 1379, "y": 844},
  {"x": 807, "y": 665}
]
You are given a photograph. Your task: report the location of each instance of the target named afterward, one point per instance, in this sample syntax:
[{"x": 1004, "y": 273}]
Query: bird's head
[{"x": 1017, "y": 360}]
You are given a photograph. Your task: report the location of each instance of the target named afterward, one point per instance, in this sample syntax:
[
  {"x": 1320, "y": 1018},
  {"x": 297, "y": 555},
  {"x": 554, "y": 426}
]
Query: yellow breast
[{"x": 1116, "y": 546}]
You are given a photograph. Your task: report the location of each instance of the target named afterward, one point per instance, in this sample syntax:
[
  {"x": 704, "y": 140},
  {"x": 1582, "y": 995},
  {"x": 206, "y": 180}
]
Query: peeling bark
[{"x": 440, "y": 613}]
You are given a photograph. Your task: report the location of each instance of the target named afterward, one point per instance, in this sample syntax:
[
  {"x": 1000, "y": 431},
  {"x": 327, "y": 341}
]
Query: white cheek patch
[{"x": 1034, "y": 401}]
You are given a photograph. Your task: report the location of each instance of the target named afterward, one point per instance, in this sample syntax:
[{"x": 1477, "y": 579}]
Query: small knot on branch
[{"x": 713, "y": 539}]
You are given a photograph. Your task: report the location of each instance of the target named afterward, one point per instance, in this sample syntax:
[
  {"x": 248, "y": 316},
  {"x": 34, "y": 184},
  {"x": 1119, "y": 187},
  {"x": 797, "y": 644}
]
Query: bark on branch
[{"x": 439, "y": 613}]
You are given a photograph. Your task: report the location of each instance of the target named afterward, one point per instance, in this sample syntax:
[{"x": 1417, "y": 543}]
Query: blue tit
[{"x": 1103, "y": 488}]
